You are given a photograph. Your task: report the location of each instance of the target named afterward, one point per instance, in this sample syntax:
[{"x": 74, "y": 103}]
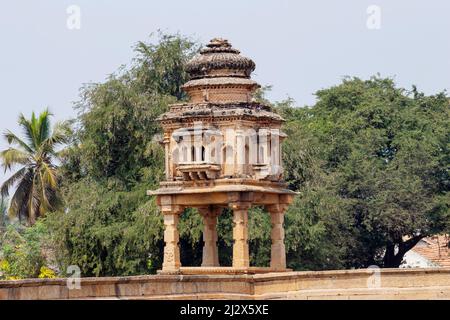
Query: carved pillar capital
[
  {"x": 240, "y": 205},
  {"x": 277, "y": 208},
  {"x": 171, "y": 209},
  {"x": 166, "y": 137},
  {"x": 209, "y": 211}
]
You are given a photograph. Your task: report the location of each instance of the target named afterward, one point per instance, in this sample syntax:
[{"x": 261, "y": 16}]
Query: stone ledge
[{"x": 343, "y": 284}]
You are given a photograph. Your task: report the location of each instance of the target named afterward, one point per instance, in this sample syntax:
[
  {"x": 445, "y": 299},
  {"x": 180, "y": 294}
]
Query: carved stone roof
[
  {"x": 220, "y": 111},
  {"x": 220, "y": 89},
  {"x": 221, "y": 57}
]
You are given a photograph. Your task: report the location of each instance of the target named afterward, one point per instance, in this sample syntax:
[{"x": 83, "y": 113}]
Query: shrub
[{"x": 21, "y": 252}]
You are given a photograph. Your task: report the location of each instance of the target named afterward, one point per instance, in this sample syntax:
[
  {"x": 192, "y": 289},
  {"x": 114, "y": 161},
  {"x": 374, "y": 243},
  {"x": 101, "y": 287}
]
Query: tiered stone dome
[
  {"x": 220, "y": 74},
  {"x": 220, "y": 59}
]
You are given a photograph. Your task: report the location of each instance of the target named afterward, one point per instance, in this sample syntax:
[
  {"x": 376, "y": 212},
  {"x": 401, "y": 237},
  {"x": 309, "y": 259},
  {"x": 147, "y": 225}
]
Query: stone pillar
[
  {"x": 240, "y": 152},
  {"x": 171, "y": 260},
  {"x": 198, "y": 151},
  {"x": 240, "y": 235},
  {"x": 263, "y": 148},
  {"x": 166, "y": 142},
  {"x": 230, "y": 152},
  {"x": 187, "y": 142},
  {"x": 207, "y": 145},
  {"x": 210, "y": 257},
  {"x": 198, "y": 140},
  {"x": 278, "y": 249},
  {"x": 275, "y": 167}
]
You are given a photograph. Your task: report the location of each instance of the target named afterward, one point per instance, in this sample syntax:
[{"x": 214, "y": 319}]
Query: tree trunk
[
  {"x": 389, "y": 256},
  {"x": 393, "y": 260}
]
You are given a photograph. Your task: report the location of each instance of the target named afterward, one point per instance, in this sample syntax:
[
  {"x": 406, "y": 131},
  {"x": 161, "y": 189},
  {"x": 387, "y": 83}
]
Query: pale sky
[{"x": 298, "y": 46}]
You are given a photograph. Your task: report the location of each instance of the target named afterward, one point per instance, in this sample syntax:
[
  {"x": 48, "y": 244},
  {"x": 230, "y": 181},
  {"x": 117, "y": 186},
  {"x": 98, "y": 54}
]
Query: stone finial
[{"x": 218, "y": 42}]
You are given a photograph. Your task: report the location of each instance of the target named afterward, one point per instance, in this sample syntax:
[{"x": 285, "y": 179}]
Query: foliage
[
  {"x": 107, "y": 232},
  {"x": 21, "y": 251},
  {"x": 46, "y": 273},
  {"x": 37, "y": 179},
  {"x": 385, "y": 152}
]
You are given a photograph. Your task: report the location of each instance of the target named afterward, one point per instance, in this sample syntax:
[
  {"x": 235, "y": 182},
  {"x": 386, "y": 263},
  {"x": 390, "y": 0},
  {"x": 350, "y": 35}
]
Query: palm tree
[{"x": 37, "y": 178}]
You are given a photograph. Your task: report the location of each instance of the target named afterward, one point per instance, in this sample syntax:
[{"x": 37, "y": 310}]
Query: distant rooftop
[{"x": 435, "y": 249}]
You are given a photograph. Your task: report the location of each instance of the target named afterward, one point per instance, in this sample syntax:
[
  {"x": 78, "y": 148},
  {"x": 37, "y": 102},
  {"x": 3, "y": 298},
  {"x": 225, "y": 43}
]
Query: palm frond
[
  {"x": 29, "y": 130},
  {"x": 19, "y": 203},
  {"x": 15, "y": 140},
  {"x": 8, "y": 184},
  {"x": 34, "y": 203},
  {"x": 43, "y": 126},
  {"x": 44, "y": 200},
  {"x": 62, "y": 133},
  {"x": 11, "y": 157},
  {"x": 3, "y": 205},
  {"x": 49, "y": 177}
]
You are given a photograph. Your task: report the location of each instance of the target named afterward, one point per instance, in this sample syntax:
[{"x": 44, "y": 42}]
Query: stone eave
[
  {"x": 218, "y": 104},
  {"x": 219, "y": 189},
  {"x": 186, "y": 120},
  {"x": 218, "y": 112}
]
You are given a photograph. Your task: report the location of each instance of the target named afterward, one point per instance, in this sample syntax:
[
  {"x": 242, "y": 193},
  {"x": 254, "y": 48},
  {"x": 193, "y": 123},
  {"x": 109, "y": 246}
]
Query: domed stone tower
[{"x": 222, "y": 149}]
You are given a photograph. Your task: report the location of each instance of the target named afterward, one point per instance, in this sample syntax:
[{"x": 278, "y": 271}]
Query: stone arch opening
[
  {"x": 193, "y": 158},
  {"x": 203, "y": 153},
  {"x": 247, "y": 154}
]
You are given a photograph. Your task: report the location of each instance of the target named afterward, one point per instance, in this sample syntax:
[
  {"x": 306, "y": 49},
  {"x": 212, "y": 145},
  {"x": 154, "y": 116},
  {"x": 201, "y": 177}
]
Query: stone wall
[{"x": 346, "y": 284}]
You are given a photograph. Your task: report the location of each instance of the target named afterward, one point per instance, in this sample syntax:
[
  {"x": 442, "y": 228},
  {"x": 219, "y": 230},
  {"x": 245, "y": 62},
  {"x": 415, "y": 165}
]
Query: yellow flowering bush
[
  {"x": 4, "y": 266},
  {"x": 47, "y": 273}
]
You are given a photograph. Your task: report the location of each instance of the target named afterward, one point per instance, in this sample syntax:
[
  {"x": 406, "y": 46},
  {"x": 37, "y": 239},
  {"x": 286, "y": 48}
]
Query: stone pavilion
[{"x": 222, "y": 150}]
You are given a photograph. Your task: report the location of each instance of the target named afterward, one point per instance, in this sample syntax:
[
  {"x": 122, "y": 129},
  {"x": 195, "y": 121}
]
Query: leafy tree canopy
[{"x": 381, "y": 154}]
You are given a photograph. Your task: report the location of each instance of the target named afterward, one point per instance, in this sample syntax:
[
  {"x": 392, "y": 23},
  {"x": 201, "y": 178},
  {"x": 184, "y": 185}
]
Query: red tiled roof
[{"x": 435, "y": 249}]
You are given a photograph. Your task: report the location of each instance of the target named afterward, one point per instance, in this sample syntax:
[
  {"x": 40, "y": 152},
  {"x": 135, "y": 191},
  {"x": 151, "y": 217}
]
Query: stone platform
[
  {"x": 346, "y": 284},
  {"x": 222, "y": 270}
]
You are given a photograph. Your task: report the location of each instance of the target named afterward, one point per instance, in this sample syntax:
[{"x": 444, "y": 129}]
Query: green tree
[
  {"x": 385, "y": 152},
  {"x": 110, "y": 226},
  {"x": 37, "y": 177},
  {"x": 105, "y": 231}
]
